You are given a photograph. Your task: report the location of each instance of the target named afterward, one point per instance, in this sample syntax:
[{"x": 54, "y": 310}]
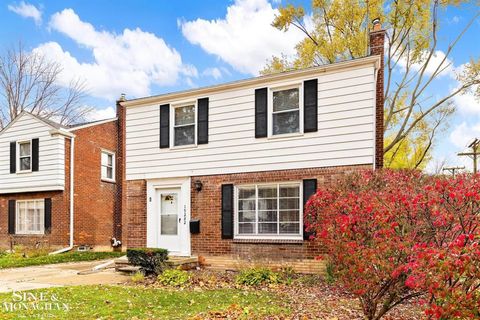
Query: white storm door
[{"x": 170, "y": 220}]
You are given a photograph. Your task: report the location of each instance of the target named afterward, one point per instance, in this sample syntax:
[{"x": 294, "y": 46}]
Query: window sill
[
  {"x": 24, "y": 172},
  {"x": 29, "y": 234},
  {"x": 285, "y": 136},
  {"x": 268, "y": 241},
  {"x": 108, "y": 180},
  {"x": 190, "y": 146}
]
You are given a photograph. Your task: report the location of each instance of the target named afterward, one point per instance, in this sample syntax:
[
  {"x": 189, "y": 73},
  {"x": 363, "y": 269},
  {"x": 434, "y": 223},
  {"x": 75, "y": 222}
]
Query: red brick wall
[
  {"x": 206, "y": 206},
  {"x": 377, "y": 39},
  {"x": 95, "y": 199},
  {"x": 60, "y": 231}
]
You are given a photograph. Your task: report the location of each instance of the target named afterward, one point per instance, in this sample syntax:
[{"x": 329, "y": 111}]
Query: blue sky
[{"x": 146, "y": 47}]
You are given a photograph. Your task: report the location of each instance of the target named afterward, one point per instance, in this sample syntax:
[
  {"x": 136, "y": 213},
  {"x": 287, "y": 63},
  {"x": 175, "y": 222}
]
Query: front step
[{"x": 184, "y": 263}]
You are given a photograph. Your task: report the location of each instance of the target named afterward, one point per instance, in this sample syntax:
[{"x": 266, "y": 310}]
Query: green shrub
[
  {"x": 174, "y": 277},
  {"x": 330, "y": 272},
  {"x": 138, "y": 277},
  {"x": 258, "y": 276},
  {"x": 150, "y": 260}
]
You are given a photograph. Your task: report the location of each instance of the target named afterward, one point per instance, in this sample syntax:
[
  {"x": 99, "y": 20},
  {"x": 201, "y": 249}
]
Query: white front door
[{"x": 170, "y": 228}]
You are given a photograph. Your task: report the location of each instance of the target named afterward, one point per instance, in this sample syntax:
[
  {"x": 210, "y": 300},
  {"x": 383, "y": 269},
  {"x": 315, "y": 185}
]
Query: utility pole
[
  {"x": 453, "y": 170},
  {"x": 474, "y": 153}
]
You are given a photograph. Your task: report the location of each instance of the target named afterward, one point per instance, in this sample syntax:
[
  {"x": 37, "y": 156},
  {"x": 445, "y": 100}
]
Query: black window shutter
[
  {"x": 309, "y": 189},
  {"x": 165, "y": 126},
  {"x": 202, "y": 121},
  {"x": 11, "y": 216},
  {"x": 35, "y": 148},
  {"x": 310, "y": 105},
  {"x": 227, "y": 211},
  {"x": 13, "y": 157},
  {"x": 261, "y": 113},
  {"x": 48, "y": 215}
]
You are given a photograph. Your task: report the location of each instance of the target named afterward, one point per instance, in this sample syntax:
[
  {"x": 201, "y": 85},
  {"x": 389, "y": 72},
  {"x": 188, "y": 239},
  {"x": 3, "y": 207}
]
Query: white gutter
[{"x": 72, "y": 175}]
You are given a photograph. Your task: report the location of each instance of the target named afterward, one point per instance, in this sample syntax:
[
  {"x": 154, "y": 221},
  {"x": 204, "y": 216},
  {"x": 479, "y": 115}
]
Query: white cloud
[
  {"x": 245, "y": 38},
  {"x": 467, "y": 103},
  {"x": 464, "y": 133},
  {"x": 436, "y": 59},
  {"x": 101, "y": 114},
  {"x": 212, "y": 72},
  {"x": 130, "y": 62},
  {"x": 27, "y": 10}
]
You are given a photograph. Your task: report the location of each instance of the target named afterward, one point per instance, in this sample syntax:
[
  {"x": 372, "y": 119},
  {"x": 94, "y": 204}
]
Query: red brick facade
[
  {"x": 95, "y": 201},
  {"x": 206, "y": 206}
]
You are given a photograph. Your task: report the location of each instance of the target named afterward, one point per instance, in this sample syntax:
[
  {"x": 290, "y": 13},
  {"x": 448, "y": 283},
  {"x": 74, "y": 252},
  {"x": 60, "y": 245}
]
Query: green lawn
[
  {"x": 16, "y": 260},
  {"x": 116, "y": 302}
]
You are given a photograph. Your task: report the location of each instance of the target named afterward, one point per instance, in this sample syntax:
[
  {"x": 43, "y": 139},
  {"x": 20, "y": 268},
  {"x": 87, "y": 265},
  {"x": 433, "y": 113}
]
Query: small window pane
[
  {"x": 246, "y": 193},
  {"x": 24, "y": 164},
  {"x": 289, "y": 228},
  {"x": 246, "y": 228},
  {"x": 289, "y": 203},
  {"x": 184, "y": 115},
  {"x": 25, "y": 149},
  {"x": 246, "y": 204},
  {"x": 267, "y": 192},
  {"x": 184, "y": 135},
  {"x": 267, "y": 204},
  {"x": 110, "y": 160},
  {"x": 289, "y": 216},
  {"x": 267, "y": 216},
  {"x": 289, "y": 191},
  {"x": 109, "y": 173},
  {"x": 267, "y": 228},
  {"x": 246, "y": 216},
  {"x": 286, "y": 122},
  {"x": 285, "y": 100}
]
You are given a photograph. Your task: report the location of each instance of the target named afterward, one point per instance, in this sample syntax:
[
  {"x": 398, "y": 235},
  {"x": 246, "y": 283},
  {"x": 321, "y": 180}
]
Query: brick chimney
[{"x": 376, "y": 47}]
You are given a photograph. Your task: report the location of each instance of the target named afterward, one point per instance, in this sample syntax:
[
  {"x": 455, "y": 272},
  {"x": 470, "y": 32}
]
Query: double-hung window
[
  {"x": 24, "y": 156},
  {"x": 285, "y": 111},
  {"x": 269, "y": 211},
  {"x": 108, "y": 166},
  {"x": 30, "y": 217},
  {"x": 184, "y": 126}
]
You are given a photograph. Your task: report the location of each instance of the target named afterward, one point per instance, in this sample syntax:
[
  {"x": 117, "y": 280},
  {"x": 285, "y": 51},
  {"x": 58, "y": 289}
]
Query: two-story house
[
  {"x": 58, "y": 184},
  {"x": 226, "y": 170}
]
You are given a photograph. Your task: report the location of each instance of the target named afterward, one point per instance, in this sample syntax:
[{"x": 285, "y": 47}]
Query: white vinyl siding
[
  {"x": 30, "y": 217},
  {"x": 51, "y": 174},
  {"x": 345, "y": 136}
]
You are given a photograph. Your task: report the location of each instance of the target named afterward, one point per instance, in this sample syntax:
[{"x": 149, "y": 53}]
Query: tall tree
[
  {"x": 30, "y": 82},
  {"x": 338, "y": 30}
]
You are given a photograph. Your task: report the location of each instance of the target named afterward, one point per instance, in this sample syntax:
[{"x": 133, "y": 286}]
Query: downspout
[{"x": 72, "y": 171}]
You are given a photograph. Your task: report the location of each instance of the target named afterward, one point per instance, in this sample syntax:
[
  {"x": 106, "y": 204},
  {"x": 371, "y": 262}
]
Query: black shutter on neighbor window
[
  {"x": 35, "y": 151},
  {"x": 261, "y": 113},
  {"x": 309, "y": 189},
  {"x": 227, "y": 211},
  {"x": 202, "y": 121},
  {"x": 48, "y": 215},
  {"x": 310, "y": 105},
  {"x": 13, "y": 157},
  {"x": 165, "y": 126},
  {"x": 11, "y": 216}
]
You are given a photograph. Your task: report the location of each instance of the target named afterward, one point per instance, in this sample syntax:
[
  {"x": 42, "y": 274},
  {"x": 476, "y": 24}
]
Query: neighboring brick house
[
  {"x": 225, "y": 171},
  {"x": 36, "y": 181}
]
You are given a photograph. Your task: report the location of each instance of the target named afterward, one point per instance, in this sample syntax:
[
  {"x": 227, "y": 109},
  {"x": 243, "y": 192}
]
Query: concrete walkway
[{"x": 57, "y": 275}]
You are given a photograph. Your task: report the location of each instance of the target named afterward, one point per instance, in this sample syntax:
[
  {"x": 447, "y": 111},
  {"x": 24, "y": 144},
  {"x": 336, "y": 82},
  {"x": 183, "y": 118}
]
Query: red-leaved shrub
[{"x": 397, "y": 235}]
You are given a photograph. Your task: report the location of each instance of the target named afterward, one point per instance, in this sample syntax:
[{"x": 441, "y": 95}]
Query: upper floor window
[
  {"x": 108, "y": 166},
  {"x": 184, "y": 126},
  {"x": 269, "y": 210},
  {"x": 285, "y": 111},
  {"x": 30, "y": 217},
  {"x": 24, "y": 156}
]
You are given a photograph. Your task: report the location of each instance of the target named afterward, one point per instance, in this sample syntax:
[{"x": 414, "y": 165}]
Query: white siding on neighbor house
[
  {"x": 51, "y": 174},
  {"x": 345, "y": 136}
]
